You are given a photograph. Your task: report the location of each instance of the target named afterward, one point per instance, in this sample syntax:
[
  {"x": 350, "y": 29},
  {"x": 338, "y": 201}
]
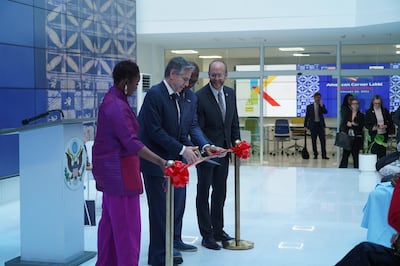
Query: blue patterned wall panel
[
  {"x": 19, "y": 18},
  {"x": 16, "y": 67},
  {"x": 70, "y": 50},
  {"x": 21, "y": 103},
  {"x": 85, "y": 39}
]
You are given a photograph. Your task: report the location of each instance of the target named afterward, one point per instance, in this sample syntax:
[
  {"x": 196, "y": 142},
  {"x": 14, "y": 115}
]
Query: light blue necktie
[{"x": 221, "y": 105}]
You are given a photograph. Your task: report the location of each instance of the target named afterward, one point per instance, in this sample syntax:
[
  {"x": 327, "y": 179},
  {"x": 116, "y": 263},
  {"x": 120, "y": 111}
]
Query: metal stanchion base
[{"x": 238, "y": 244}]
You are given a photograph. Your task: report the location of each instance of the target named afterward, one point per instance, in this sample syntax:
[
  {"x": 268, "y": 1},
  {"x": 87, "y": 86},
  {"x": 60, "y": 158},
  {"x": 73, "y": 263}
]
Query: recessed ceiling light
[
  {"x": 398, "y": 46},
  {"x": 210, "y": 56},
  {"x": 301, "y": 54},
  {"x": 397, "y": 52},
  {"x": 291, "y": 49},
  {"x": 184, "y": 52}
]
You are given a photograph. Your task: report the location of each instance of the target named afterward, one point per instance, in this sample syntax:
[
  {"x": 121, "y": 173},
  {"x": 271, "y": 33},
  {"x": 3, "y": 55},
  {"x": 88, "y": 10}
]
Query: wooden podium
[{"x": 52, "y": 162}]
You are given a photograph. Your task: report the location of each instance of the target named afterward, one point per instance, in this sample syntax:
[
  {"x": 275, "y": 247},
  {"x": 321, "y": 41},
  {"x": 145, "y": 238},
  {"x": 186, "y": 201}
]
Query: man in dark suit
[
  {"x": 315, "y": 122},
  {"x": 189, "y": 126},
  {"x": 161, "y": 129},
  {"x": 218, "y": 119}
]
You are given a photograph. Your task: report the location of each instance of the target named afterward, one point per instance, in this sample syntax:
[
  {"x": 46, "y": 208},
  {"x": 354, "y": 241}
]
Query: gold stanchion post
[
  {"x": 237, "y": 243},
  {"x": 169, "y": 225}
]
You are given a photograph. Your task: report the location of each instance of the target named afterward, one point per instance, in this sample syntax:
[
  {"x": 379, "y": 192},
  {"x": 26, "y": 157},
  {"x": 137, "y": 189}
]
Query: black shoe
[
  {"x": 177, "y": 257},
  {"x": 325, "y": 158},
  {"x": 222, "y": 237},
  {"x": 315, "y": 157},
  {"x": 210, "y": 244},
  {"x": 178, "y": 260},
  {"x": 179, "y": 245}
]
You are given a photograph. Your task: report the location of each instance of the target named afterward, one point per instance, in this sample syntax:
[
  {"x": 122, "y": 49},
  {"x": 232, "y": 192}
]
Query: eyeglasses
[
  {"x": 377, "y": 102},
  {"x": 217, "y": 76}
]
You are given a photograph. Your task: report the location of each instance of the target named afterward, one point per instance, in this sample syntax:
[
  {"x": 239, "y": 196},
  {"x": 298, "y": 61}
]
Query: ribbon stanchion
[
  {"x": 237, "y": 243},
  {"x": 169, "y": 225}
]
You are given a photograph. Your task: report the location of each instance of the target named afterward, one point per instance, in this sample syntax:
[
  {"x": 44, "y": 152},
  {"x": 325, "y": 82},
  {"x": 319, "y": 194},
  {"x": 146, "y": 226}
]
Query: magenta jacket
[{"x": 116, "y": 167}]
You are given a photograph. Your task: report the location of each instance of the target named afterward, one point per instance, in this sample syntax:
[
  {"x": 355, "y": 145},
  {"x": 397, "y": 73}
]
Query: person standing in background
[
  {"x": 116, "y": 169},
  {"x": 378, "y": 121},
  {"x": 218, "y": 119},
  {"x": 345, "y": 109},
  {"x": 315, "y": 122},
  {"x": 352, "y": 123},
  {"x": 161, "y": 129}
]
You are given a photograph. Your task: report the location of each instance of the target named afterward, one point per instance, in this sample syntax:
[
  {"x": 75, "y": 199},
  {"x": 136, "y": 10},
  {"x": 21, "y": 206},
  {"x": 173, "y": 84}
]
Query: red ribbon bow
[
  {"x": 242, "y": 149},
  {"x": 179, "y": 174}
]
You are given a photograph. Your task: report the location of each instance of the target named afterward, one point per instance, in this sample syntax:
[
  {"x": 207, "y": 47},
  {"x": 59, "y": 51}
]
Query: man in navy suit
[
  {"x": 162, "y": 130},
  {"x": 315, "y": 122},
  {"x": 218, "y": 119}
]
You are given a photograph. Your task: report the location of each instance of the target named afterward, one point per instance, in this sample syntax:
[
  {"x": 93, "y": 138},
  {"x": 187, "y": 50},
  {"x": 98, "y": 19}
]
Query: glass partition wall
[{"x": 291, "y": 75}]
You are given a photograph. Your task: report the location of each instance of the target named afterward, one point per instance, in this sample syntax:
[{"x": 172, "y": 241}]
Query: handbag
[
  {"x": 304, "y": 152},
  {"x": 344, "y": 141}
]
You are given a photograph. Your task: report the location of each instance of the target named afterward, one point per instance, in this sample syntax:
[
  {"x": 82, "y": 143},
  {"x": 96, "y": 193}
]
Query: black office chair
[{"x": 281, "y": 134}]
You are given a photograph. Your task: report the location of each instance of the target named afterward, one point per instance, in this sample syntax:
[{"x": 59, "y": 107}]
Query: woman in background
[
  {"x": 378, "y": 121},
  {"x": 116, "y": 169},
  {"x": 345, "y": 109},
  {"x": 352, "y": 123}
]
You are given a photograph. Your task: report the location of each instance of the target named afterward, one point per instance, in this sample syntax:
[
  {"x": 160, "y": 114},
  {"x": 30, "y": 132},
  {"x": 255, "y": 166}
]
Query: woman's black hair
[
  {"x": 346, "y": 99},
  {"x": 125, "y": 70}
]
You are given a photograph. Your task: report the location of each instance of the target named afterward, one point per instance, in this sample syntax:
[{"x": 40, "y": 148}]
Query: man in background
[{"x": 315, "y": 122}]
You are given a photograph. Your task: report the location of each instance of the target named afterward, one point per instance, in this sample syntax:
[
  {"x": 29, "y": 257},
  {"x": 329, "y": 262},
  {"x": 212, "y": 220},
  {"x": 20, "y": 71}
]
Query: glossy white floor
[{"x": 295, "y": 216}]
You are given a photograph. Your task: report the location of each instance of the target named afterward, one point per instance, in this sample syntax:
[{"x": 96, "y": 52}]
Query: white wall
[
  {"x": 150, "y": 61},
  {"x": 178, "y": 16},
  {"x": 370, "y": 12}
]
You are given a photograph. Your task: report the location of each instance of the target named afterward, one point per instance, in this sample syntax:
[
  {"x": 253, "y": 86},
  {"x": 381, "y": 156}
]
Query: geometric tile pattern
[
  {"x": 84, "y": 40},
  {"x": 307, "y": 86},
  {"x": 394, "y": 88}
]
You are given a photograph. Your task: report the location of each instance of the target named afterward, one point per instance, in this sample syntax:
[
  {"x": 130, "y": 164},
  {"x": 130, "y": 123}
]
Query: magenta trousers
[{"x": 118, "y": 236}]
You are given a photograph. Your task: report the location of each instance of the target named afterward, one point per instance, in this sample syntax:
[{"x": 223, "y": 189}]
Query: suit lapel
[{"x": 228, "y": 105}]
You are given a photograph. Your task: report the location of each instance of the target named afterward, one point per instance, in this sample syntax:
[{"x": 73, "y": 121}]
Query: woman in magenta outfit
[{"x": 116, "y": 169}]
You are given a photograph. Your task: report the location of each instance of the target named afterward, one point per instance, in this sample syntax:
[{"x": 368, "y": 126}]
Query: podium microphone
[
  {"x": 58, "y": 110},
  {"x": 28, "y": 120}
]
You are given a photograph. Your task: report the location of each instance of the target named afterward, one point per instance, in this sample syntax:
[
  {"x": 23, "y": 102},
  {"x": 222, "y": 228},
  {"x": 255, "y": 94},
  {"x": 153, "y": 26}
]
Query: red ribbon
[
  {"x": 179, "y": 174},
  {"x": 242, "y": 150}
]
